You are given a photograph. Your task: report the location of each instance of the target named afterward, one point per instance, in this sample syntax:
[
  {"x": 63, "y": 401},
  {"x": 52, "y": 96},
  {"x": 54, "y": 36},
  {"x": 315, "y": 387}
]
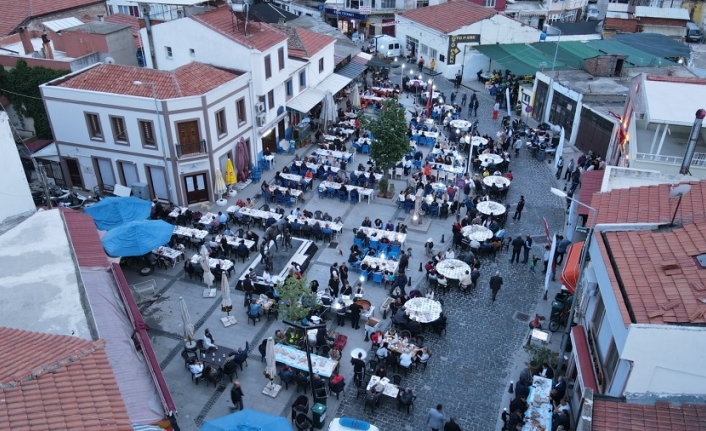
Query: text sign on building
[
  {"x": 456, "y": 40},
  {"x": 364, "y": 10}
]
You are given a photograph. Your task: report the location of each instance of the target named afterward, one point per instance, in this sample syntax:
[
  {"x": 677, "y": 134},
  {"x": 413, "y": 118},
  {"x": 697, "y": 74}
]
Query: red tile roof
[
  {"x": 313, "y": 42},
  {"x": 132, "y": 21},
  {"x": 616, "y": 415},
  {"x": 192, "y": 79},
  {"x": 590, "y": 183},
  {"x": 662, "y": 281},
  {"x": 261, "y": 36},
  {"x": 84, "y": 237},
  {"x": 650, "y": 204},
  {"x": 449, "y": 17},
  {"x": 65, "y": 383},
  {"x": 13, "y": 13}
]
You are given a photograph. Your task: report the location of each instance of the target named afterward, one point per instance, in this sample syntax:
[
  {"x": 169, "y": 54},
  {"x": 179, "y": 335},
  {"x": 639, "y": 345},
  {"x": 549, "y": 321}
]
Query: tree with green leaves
[
  {"x": 295, "y": 298},
  {"x": 21, "y": 87},
  {"x": 390, "y": 132}
]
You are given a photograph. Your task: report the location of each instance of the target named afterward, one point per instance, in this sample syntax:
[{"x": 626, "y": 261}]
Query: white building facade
[
  {"x": 110, "y": 131},
  {"x": 17, "y": 198}
]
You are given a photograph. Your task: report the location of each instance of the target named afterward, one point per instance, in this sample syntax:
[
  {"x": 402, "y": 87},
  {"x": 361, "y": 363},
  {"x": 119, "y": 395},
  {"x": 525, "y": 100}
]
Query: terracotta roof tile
[
  {"x": 612, "y": 415},
  {"x": 132, "y": 21},
  {"x": 15, "y": 12},
  {"x": 658, "y": 273},
  {"x": 66, "y": 383},
  {"x": 449, "y": 17},
  {"x": 192, "y": 79},
  {"x": 650, "y": 204},
  {"x": 314, "y": 42},
  {"x": 261, "y": 36}
]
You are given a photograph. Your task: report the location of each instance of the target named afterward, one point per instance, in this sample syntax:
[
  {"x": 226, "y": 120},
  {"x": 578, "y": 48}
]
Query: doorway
[
  {"x": 74, "y": 173},
  {"x": 189, "y": 138},
  {"x": 196, "y": 188},
  {"x": 269, "y": 142}
]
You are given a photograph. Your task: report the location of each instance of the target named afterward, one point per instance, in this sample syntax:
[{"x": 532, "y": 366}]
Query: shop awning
[
  {"x": 572, "y": 266},
  {"x": 582, "y": 358},
  {"x": 573, "y": 53},
  {"x": 519, "y": 58},
  {"x": 49, "y": 152},
  {"x": 636, "y": 57},
  {"x": 351, "y": 70},
  {"x": 334, "y": 83},
  {"x": 306, "y": 100}
]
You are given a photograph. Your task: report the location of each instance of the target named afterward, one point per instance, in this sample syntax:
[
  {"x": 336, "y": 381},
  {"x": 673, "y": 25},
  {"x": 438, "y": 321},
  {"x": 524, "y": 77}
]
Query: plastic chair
[
  {"x": 279, "y": 199},
  {"x": 374, "y": 244},
  {"x": 342, "y": 196},
  {"x": 408, "y": 206},
  {"x": 365, "y": 149},
  {"x": 377, "y": 277},
  {"x": 355, "y": 198}
]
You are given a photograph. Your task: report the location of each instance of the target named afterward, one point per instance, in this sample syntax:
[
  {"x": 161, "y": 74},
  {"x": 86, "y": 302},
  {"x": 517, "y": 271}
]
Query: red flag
[{"x": 431, "y": 93}]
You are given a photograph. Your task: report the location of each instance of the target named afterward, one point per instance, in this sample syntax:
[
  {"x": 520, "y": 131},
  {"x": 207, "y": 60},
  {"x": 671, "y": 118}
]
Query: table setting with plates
[
  {"x": 377, "y": 234},
  {"x": 452, "y": 268},
  {"x": 169, "y": 253},
  {"x": 295, "y": 358},
  {"x": 399, "y": 345},
  {"x": 189, "y": 232},
  {"x": 377, "y": 177},
  {"x": 426, "y": 134},
  {"x": 477, "y": 141},
  {"x": 490, "y": 158},
  {"x": 477, "y": 232},
  {"x": 336, "y": 227},
  {"x": 538, "y": 416},
  {"x": 177, "y": 211},
  {"x": 417, "y": 83},
  {"x": 207, "y": 218},
  {"x": 337, "y": 186},
  {"x": 388, "y": 389},
  {"x": 254, "y": 213},
  {"x": 294, "y": 177},
  {"x": 498, "y": 180},
  {"x": 423, "y": 310},
  {"x": 234, "y": 241},
  {"x": 491, "y": 208},
  {"x": 334, "y": 154},
  {"x": 379, "y": 263},
  {"x": 226, "y": 264},
  {"x": 293, "y": 192},
  {"x": 462, "y": 125}
]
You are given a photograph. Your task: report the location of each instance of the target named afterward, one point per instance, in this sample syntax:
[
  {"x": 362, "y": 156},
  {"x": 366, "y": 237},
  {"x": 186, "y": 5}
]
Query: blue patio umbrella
[
  {"x": 137, "y": 238},
  {"x": 112, "y": 212},
  {"x": 248, "y": 420}
]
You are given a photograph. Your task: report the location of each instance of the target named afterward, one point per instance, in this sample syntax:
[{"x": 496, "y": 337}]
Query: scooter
[{"x": 561, "y": 307}]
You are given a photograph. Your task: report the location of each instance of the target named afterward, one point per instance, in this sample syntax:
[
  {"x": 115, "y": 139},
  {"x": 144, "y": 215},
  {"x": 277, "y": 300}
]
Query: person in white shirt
[
  {"x": 382, "y": 351},
  {"x": 196, "y": 368},
  {"x": 208, "y": 342},
  {"x": 405, "y": 360},
  {"x": 450, "y": 254}
]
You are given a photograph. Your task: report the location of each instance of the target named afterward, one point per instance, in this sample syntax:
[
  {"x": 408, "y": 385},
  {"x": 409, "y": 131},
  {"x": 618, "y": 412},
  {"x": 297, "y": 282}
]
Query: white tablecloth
[
  {"x": 336, "y": 227},
  {"x": 377, "y": 234},
  {"x": 314, "y": 167},
  {"x": 292, "y": 177},
  {"x": 460, "y": 124},
  {"x": 453, "y": 268},
  {"x": 477, "y": 140},
  {"x": 254, "y": 213},
  {"x": 297, "y": 359},
  {"x": 225, "y": 263},
  {"x": 427, "y": 134},
  {"x": 389, "y": 390},
  {"x": 168, "y": 252},
  {"x": 424, "y": 310},
  {"x": 177, "y": 211},
  {"x": 491, "y": 208},
  {"x": 476, "y": 232},
  {"x": 497, "y": 180},
  {"x": 383, "y": 264},
  {"x": 539, "y": 415},
  {"x": 190, "y": 232},
  {"x": 234, "y": 241},
  {"x": 377, "y": 177},
  {"x": 490, "y": 158},
  {"x": 361, "y": 191},
  {"x": 336, "y": 154},
  {"x": 207, "y": 218}
]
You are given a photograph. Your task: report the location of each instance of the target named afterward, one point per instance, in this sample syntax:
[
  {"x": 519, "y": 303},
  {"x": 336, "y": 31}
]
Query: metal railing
[
  {"x": 191, "y": 149},
  {"x": 698, "y": 160}
]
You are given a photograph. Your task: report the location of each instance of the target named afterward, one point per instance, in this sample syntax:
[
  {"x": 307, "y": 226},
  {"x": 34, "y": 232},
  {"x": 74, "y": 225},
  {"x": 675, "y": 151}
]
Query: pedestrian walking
[
  {"x": 436, "y": 418},
  {"x": 236, "y": 396},
  {"x": 453, "y": 97},
  {"x": 559, "y": 167},
  {"x": 569, "y": 169},
  {"x": 474, "y": 105},
  {"x": 518, "y": 209},
  {"x": 421, "y": 63},
  {"x": 575, "y": 179},
  {"x": 451, "y": 425},
  {"x": 459, "y": 77},
  {"x": 496, "y": 109},
  {"x": 517, "y": 244},
  {"x": 432, "y": 64},
  {"x": 355, "y": 315},
  {"x": 527, "y": 247},
  {"x": 533, "y": 265},
  {"x": 495, "y": 282},
  {"x": 464, "y": 96}
]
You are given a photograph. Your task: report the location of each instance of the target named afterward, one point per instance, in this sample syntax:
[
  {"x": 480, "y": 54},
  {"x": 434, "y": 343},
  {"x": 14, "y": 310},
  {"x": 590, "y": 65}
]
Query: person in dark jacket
[
  {"x": 451, "y": 425},
  {"x": 517, "y": 245},
  {"x": 495, "y": 282},
  {"x": 236, "y": 396},
  {"x": 355, "y": 315},
  {"x": 518, "y": 209}
]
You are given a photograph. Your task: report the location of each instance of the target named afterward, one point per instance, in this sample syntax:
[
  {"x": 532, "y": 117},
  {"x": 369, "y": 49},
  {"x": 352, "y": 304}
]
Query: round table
[
  {"x": 452, "y": 268},
  {"x": 497, "y": 180},
  {"x": 424, "y": 310},
  {"x": 414, "y": 82},
  {"x": 477, "y": 140},
  {"x": 354, "y": 353},
  {"x": 476, "y": 232},
  {"x": 490, "y": 158},
  {"x": 491, "y": 208},
  {"x": 463, "y": 125}
]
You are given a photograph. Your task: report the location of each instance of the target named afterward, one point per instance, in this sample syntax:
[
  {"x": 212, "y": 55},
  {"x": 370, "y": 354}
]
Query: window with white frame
[
  {"x": 424, "y": 50},
  {"x": 489, "y": 3},
  {"x": 432, "y": 53},
  {"x": 422, "y": 3},
  {"x": 387, "y": 4},
  {"x": 168, "y": 51},
  {"x": 129, "y": 10}
]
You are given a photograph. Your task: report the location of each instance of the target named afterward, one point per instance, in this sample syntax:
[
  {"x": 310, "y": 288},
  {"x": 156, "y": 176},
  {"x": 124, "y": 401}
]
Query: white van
[{"x": 387, "y": 45}]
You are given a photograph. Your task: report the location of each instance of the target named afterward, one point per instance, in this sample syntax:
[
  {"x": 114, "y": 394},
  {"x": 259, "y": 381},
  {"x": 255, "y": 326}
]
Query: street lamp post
[
  {"x": 550, "y": 93},
  {"x": 161, "y": 134},
  {"x": 582, "y": 263}
]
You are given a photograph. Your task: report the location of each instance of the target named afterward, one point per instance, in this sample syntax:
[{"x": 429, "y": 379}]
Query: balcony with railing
[
  {"x": 191, "y": 149},
  {"x": 661, "y": 148}
]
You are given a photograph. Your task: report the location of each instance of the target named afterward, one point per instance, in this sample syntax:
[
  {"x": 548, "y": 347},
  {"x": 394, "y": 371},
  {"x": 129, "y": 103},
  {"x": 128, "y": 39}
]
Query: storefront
[{"x": 347, "y": 21}]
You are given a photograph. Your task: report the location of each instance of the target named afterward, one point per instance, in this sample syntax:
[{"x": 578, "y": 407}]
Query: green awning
[
  {"x": 519, "y": 58},
  {"x": 572, "y": 53},
  {"x": 636, "y": 57}
]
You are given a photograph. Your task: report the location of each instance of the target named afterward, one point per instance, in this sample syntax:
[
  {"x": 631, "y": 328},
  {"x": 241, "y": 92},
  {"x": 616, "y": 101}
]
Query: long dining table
[
  {"x": 369, "y": 193},
  {"x": 254, "y": 213},
  {"x": 377, "y": 234},
  {"x": 336, "y": 227}
]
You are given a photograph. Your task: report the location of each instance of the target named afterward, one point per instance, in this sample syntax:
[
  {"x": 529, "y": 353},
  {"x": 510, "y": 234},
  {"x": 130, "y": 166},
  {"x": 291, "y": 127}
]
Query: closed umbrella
[
  {"x": 328, "y": 109},
  {"x": 270, "y": 362},
  {"x": 355, "y": 97},
  {"x": 186, "y": 320},
  {"x": 219, "y": 186},
  {"x": 242, "y": 160},
  {"x": 226, "y": 304},
  {"x": 207, "y": 275},
  {"x": 230, "y": 179}
]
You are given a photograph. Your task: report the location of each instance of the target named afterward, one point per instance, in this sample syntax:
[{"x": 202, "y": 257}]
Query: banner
[{"x": 384, "y": 24}]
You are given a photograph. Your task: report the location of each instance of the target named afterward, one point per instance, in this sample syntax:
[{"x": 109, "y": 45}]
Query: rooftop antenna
[{"x": 678, "y": 192}]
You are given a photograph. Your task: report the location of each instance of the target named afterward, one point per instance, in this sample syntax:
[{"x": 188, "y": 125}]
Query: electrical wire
[{"x": 19, "y": 94}]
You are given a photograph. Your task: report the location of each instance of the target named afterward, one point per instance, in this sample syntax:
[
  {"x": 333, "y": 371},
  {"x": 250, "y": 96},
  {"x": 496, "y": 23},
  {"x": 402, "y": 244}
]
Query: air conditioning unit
[
  {"x": 639, "y": 115},
  {"x": 260, "y": 107},
  {"x": 261, "y": 119}
]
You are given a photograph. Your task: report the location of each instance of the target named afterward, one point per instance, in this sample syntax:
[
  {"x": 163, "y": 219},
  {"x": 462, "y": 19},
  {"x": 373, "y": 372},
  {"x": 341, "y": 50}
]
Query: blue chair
[
  {"x": 395, "y": 249},
  {"x": 359, "y": 243},
  {"x": 290, "y": 201},
  {"x": 305, "y": 186},
  {"x": 415, "y": 138},
  {"x": 431, "y": 141},
  {"x": 364, "y": 275},
  {"x": 408, "y": 206},
  {"x": 294, "y": 169},
  {"x": 267, "y": 196},
  {"x": 255, "y": 175},
  {"x": 354, "y": 265},
  {"x": 354, "y": 178},
  {"x": 435, "y": 211},
  {"x": 279, "y": 198},
  {"x": 292, "y": 146},
  {"x": 342, "y": 196},
  {"x": 382, "y": 247},
  {"x": 331, "y": 192},
  {"x": 377, "y": 278},
  {"x": 362, "y": 181},
  {"x": 417, "y": 164},
  {"x": 365, "y": 149},
  {"x": 328, "y": 233},
  {"x": 374, "y": 244},
  {"x": 322, "y": 192},
  {"x": 355, "y": 198}
]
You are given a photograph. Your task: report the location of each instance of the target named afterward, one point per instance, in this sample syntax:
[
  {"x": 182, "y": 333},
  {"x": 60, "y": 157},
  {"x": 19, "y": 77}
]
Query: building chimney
[
  {"x": 26, "y": 41},
  {"x": 180, "y": 13},
  {"x": 46, "y": 43},
  {"x": 100, "y": 17},
  {"x": 691, "y": 145}
]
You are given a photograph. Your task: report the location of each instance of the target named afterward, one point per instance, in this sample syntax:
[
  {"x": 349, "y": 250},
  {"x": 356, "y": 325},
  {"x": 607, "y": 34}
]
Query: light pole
[
  {"x": 550, "y": 93},
  {"x": 161, "y": 134},
  {"x": 582, "y": 263},
  {"x": 306, "y": 329}
]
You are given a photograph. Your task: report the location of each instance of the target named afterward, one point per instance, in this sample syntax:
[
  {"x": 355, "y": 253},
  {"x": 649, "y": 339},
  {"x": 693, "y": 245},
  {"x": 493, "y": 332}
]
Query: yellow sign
[
  {"x": 456, "y": 40},
  {"x": 367, "y": 24}
]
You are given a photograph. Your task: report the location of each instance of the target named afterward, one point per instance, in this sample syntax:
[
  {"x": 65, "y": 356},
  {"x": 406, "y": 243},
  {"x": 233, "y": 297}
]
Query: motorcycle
[{"x": 561, "y": 308}]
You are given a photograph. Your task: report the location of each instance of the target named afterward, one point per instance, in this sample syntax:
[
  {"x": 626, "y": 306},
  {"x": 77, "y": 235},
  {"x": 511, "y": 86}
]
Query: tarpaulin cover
[
  {"x": 137, "y": 238},
  {"x": 248, "y": 420},
  {"x": 112, "y": 212}
]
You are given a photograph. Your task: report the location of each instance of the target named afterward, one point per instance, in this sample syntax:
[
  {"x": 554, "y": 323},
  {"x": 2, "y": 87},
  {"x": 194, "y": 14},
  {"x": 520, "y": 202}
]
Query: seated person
[
  {"x": 279, "y": 337},
  {"x": 381, "y": 371},
  {"x": 378, "y": 223},
  {"x": 406, "y": 397},
  {"x": 367, "y": 222},
  {"x": 322, "y": 338},
  {"x": 405, "y": 360},
  {"x": 400, "y": 317},
  {"x": 389, "y": 226},
  {"x": 208, "y": 343},
  {"x": 196, "y": 368},
  {"x": 300, "y": 378},
  {"x": 415, "y": 328},
  {"x": 382, "y": 352},
  {"x": 373, "y": 395},
  {"x": 318, "y": 382},
  {"x": 337, "y": 383},
  {"x": 466, "y": 279},
  {"x": 422, "y": 355},
  {"x": 241, "y": 355},
  {"x": 377, "y": 337},
  {"x": 334, "y": 354}
]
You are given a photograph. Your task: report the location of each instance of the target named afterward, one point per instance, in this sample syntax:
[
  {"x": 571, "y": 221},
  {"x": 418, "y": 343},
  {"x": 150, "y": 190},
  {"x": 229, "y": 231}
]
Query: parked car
[
  {"x": 592, "y": 13},
  {"x": 693, "y": 32}
]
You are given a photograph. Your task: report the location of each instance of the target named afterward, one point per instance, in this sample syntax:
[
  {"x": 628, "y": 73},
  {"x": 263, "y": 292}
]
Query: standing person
[
  {"x": 358, "y": 369},
  {"x": 453, "y": 97},
  {"x": 527, "y": 247},
  {"x": 496, "y": 109},
  {"x": 464, "y": 98},
  {"x": 236, "y": 396},
  {"x": 518, "y": 146},
  {"x": 547, "y": 251},
  {"x": 355, "y": 315},
  {"x": 517, "y": 244},
  {"x": 559, "y": 167},
  {"x": 248, "y": 289},
  {"x": 451, "y": 425},
  {"x": 474, "y": 105},
  {"x": 575, "y": 179},
  {"x": 341, "y": 316},
  {"x": 459, "y": 77},
  {"x": 561, "y": 247},
  {"x": 421, "y": 63},
  {"x": 569, "y": 169},
  {"x": 436, "y": 418},
  {"x": 432, "y": 64},
  {"x": 518, "y": 209},
  {"x": 495, "y": 282}
]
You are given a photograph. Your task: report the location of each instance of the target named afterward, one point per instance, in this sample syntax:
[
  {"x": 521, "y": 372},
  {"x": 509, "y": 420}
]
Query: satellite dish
[
  {"x": 109, "y": 60},
  {"x": 680, "y": 191}
]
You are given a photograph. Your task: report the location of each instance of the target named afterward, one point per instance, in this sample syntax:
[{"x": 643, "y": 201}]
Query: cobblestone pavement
[{"x": 470, "y": 364}]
